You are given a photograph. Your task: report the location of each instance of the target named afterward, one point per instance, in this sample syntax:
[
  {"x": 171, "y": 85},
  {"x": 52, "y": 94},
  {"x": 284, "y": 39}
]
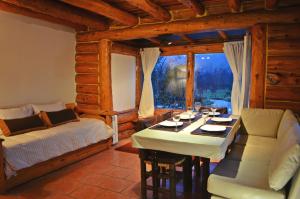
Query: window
[
  {"x": 213, "y": 80},
  {"x": 169, "y": 80}
]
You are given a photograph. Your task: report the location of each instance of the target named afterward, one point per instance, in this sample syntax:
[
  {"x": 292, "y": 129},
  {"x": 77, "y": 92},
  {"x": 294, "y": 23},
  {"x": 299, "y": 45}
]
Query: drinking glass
[
  {"x": 198, "y": 106},
  {"x": 176, "y": 118},
  {"x": 213, "y": 109},
  {"x": 190, "y": 113}
]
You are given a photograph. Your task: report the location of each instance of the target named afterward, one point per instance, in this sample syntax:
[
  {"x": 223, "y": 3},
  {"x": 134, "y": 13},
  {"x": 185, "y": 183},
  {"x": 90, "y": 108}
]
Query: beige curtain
[
  {"x": 238, "y": 55},
  {"x": 149, "y": 58}
]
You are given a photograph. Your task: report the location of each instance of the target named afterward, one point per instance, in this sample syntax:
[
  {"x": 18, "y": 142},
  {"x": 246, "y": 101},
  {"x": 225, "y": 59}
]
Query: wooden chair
[{"x": 163, "y": 167}]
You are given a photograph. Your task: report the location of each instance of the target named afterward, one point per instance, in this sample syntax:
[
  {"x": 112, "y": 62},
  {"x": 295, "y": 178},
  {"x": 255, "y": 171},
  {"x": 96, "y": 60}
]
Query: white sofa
[{"x": 263, "y": 162}]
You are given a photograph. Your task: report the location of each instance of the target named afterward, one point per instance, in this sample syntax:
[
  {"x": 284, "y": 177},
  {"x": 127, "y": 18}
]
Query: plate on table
[
  {"x": 212, "y": 113},
  {"x": 170, "y": 123},
  {"x": 213, "y": 128},
  {"x": 185, "y": 116},
  {"x": 221, "y": 119}
]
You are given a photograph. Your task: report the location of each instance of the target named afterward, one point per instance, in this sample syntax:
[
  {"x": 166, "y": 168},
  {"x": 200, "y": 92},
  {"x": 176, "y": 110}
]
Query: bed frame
[{"x": 45, "y": 167}]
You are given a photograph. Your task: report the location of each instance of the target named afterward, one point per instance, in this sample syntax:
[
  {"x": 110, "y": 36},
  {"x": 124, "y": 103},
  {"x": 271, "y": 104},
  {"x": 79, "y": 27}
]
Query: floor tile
[{"x": 87, "y": 192}]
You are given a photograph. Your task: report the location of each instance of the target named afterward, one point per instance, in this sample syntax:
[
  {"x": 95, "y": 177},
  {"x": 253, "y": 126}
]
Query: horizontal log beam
[
  {"x": 105, "y": 9},
  {"x": 226, "y": 21},
  {"x": 223, "y": 35},
  {"x": 60, "y": 11},
  {"x": 124, "y": 49},
  {"x": 271, "y": 4},
  {"x": 152, "y": 9},
  {"x": 194, "y": 5},
  {"x": 26, "y": 12},
  {"x": 186, "y": 38},
  {"x": 154, "y": 41},
  {"x": 204, "y": 48},
  {"x": 234, "y": 5}
]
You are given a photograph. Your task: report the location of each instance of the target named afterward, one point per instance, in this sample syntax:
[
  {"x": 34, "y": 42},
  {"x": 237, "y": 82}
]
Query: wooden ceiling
[{"x": 101, "y": 15}]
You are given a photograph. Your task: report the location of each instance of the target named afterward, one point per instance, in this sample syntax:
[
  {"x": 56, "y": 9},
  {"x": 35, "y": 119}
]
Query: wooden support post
[
  {"x": 138, "y": 81},
  {"x": 190, "y": 80},
  {"x": 104, "y": 78},
  {"x": 258, "y": 69}
]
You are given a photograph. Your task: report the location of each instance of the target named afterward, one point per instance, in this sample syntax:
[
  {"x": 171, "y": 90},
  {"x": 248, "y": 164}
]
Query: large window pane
[
  {"x": 213, "y": 80},
  {"x": 169, "y": 80}
]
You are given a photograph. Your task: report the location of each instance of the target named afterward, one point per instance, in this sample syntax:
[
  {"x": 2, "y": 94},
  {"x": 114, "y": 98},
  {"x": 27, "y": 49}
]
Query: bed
[{"x": 33, "y": 154}]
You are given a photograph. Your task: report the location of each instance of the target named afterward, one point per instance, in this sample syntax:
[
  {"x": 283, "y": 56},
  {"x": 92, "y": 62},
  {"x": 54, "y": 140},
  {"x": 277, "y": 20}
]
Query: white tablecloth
[{"x": 183, "y": 142}]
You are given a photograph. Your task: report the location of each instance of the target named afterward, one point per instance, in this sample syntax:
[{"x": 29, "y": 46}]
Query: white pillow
[
  {"x": 15, "y": 113},
  {"x": 57, "y": 106},
  {"x": 286, "y": 158}
]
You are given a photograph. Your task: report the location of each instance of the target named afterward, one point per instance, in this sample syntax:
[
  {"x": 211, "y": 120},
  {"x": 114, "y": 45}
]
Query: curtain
[
  {"x": 149, "y": 58},
  {"x": 238, "y": 55}
]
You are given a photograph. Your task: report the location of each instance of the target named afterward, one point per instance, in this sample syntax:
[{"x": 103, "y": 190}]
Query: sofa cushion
[
  {"x": 21, "y": 125},
  {"x": 294, "y": 190},
  {"x": 286, "y": 158},
  {"x": 261, "y": 153},
  {"x": 242, "y": 180},
  {"x": 15, "y": 113},
  {"x": 242, "y": 139},
  {"x": 59, "y": 117},
  {"x": 261, "y": 122},
  {"x": 288, "y": 119},
  {"x": 57, "y": 106}
]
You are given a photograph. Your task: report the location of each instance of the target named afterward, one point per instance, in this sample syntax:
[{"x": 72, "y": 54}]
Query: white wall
[
  {"x": 123, "y": 81},
  {"x": 36, "y": 61}
]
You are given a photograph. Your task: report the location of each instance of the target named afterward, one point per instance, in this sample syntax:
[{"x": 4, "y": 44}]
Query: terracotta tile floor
[{"x": 110, "y": 174}]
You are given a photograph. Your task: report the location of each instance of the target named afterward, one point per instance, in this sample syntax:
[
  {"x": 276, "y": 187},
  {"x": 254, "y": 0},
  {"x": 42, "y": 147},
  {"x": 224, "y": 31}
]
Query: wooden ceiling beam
[
  {"x": 186, "y": 38},
  {"x": 197, "y": 7},
  {"x": 28, "y": 13},
  {"x": 271, "y": 4},
  {"x": 60, "y": 11},
  {"x": 234, "y": 5},
  {"x": 223, "y": 35},
  {"x": 203, "y": 24},
  {"x": 154, "y": 41},
  {"x": 152, "y": 9},
  {"x": 105, "y": 9}
]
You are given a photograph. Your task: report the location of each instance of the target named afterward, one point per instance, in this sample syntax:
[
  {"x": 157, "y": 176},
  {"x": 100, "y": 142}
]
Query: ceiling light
[{"x": 169, "y": 43}]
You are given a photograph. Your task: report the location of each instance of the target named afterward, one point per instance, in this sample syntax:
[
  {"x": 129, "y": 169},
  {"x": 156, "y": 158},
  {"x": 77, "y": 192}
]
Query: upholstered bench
[{"x": 264, "y": 159}]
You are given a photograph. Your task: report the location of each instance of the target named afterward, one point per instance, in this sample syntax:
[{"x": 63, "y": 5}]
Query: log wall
[
  {"x": 93, "y": 80},
  {"x": 283, "y": 67}
]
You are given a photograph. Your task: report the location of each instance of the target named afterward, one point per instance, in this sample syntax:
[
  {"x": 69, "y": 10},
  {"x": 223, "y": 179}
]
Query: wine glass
[
  {"x": 176, "y": 118},
  {"x": 198, "y": 106},
  {"x": 190, "y": 112},
  {"x": 213, "y": 109}
]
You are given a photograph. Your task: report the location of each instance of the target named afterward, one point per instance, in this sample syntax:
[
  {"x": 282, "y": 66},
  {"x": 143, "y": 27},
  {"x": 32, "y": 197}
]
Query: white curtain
[
  {"x": 149, "y": 58},
  {"x": 238, "y": 55}
]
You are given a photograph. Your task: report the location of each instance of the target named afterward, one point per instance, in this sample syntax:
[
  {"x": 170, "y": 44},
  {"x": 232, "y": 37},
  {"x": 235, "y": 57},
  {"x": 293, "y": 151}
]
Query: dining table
[{"x": 190, "y": 140}]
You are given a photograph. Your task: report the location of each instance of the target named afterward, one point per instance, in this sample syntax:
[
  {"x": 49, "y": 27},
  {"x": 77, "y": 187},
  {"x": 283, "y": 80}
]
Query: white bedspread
[{"x": 27, "y": 149}]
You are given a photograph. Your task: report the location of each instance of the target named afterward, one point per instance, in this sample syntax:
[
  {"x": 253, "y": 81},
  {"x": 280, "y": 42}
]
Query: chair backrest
[{"x": 261, "y": 122}]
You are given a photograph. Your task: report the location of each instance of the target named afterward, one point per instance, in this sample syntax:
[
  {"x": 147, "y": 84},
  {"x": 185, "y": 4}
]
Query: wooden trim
[
  {"x": 53, "y": 164},
  {"x": 201, "y": 48},
  {"x": 60, "y": 11},
  {"x": 105, "y": 9},
  {"x": 138, "y": 81},
  {"x": 105, "y": 75},
  {"x": 208, "y": 23},
  {"x": 189, "y": 91},
  {"x": 258, "y": 70}
]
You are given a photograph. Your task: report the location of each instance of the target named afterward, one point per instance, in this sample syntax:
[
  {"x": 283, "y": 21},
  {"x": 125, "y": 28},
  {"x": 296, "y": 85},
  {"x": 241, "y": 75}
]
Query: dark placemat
[
  {"x": 179, "y": 128},
  {"x": 173, "y": 129},
  {"x": 222, "y": 123},
  {"x": 198, "y": 131}
]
